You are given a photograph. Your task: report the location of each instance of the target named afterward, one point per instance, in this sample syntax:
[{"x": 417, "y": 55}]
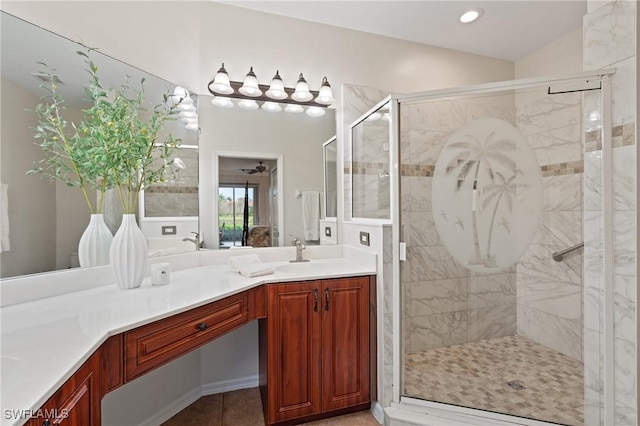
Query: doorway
[{"x": 251, "y": 179}]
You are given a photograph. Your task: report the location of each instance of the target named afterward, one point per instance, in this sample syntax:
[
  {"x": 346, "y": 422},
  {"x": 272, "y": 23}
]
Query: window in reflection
[{"x": 231, "y": 200}]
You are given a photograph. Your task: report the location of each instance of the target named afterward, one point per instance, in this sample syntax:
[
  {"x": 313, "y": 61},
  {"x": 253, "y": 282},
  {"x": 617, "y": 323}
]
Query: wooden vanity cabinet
[
  {"x": 77, "y": 402},
  {"x": 314, "y": 349}
]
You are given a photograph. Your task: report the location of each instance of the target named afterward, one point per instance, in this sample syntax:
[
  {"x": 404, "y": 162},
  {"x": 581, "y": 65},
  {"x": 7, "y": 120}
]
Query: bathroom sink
[
  {"x": 303, "y": 268},
  {"x": 12, "y": 370}
]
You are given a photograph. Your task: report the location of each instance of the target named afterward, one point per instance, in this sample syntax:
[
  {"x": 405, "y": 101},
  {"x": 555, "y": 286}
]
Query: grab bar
[{"x": 559, "y": 255}]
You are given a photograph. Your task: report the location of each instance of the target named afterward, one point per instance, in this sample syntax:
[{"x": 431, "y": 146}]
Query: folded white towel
[
  {"x": 311, "y": 215},
  {"x": 255, "y": 270},
  {"x": 4, "y": 219},
  {"x": 235, "y": 262}
]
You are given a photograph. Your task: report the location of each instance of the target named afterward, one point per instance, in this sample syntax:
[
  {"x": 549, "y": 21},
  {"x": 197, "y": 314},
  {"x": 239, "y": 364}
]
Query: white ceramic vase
[
  {"x": 93, "y": 249},
  {"x": 129, "y": 253}
]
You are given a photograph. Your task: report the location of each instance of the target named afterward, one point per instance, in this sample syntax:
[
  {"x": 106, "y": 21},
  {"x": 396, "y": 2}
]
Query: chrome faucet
[
  {"x": 195, "y": 240},
  {"x": 299, "y": 247}
]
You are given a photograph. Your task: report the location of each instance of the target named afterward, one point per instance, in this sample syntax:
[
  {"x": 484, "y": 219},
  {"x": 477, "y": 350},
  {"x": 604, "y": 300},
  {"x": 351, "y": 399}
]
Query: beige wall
[
  {"x": 560, "y": 57},
  {"x": 31, "y": 224}
]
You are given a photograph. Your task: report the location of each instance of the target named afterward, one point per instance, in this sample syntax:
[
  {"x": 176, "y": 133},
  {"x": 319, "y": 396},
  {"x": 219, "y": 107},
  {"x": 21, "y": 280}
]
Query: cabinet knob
[
  {"x": 47, "y": 422},
  {"x": 202, "y": 326}
]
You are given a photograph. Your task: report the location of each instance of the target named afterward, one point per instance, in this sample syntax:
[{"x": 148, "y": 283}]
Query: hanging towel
[
  {"x": 4, "y": 218},
  {"x": 311, "y": 215}
]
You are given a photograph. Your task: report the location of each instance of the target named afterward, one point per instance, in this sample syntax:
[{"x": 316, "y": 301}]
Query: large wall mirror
[
  {"x": 46, "y": 219},
  {"x": 273, "y": 160},
  {"x": 184, "y": 213}
]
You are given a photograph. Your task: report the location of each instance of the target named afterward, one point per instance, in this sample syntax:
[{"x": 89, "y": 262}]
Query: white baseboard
[
  {"x": 174, "y": 408},
  {"x": 192, "y": 396},
  {"x": 377, "y": 411},
  {"x": 230, "y": 385}
]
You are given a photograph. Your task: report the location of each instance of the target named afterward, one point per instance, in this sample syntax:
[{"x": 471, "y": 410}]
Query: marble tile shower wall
[
  {"x": 178, "y": 196},
  {"x": 357, "y": 100},
  {"x": 549, "y": 293},
  {"x": 609, "y": 35},
  {"x": 444, "y": 303}
]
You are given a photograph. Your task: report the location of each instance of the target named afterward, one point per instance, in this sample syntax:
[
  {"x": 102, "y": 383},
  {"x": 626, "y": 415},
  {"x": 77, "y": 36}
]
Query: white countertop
[{"x": 43, "y": 342}]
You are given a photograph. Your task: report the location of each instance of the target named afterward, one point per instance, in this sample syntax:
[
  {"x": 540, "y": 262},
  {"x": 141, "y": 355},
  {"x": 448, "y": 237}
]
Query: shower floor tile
[{"x": 511, "y": 375}]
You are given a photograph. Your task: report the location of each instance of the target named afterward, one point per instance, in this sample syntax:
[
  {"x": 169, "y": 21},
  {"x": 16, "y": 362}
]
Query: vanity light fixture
[
  {"x": 222, "y": 102},
  {"x": 276, "y": 89},
  {"x": 250, "y": 85},
  {"x": 248, "y": 104},
  {"x": 315, "y": 111},
  {"x": 274, "y": 97},
  {"x": 187, "y": 104},
  {"x": 471, "y": 15},
  {"x": 192, "y": 126},
  {"x": 271, "y": 107},
  {"x": 301, "y": 94},
  {"x": 325, "y": 95},
  {"x": 294, "y": 109},
  {"x": 183, "y": 103},
  {"x": 221, "y": 84}
]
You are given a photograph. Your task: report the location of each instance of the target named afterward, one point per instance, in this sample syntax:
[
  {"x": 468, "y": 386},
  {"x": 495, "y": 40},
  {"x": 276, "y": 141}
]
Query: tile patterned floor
[
  {"x": 510, "y": 375},
  {"x": 244, "y": 408}
]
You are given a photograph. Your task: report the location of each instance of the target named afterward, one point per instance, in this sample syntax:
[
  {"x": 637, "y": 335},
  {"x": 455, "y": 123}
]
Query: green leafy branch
[{"x": 115, "y": 145}]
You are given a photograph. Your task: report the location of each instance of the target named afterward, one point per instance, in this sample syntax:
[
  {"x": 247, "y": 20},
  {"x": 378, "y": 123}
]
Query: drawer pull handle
[
  {"x": 202, "y": 326},
  {"x": 315, "y": 300},
  {"x": 47, "y": 422},
  {"x": 326, "y": 295}
]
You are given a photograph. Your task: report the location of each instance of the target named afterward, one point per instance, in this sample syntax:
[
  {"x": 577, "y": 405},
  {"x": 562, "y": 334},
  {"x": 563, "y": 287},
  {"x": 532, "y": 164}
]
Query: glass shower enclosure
[{"x": 500, "y": 198}]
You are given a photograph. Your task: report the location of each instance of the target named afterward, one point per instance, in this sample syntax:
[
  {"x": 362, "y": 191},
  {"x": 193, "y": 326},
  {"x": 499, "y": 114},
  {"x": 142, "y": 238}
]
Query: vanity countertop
[{"x": 43, "y": 342}]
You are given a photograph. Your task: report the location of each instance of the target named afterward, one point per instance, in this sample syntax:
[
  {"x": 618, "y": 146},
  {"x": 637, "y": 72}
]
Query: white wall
[{"x": 185, "y": 42}]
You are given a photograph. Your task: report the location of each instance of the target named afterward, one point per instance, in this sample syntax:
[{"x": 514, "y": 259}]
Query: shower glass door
[{"x": 492, "y": 185}]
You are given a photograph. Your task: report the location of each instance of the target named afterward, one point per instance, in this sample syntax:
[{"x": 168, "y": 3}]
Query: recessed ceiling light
[{"x": 471, "y": 15}]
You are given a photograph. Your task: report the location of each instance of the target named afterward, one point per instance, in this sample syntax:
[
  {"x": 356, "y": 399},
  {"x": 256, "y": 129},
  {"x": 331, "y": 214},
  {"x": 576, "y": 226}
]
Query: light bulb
[
  {"x": 276, "y": 90},
  {"x": 186, "y": 104},
  {"x": 471, "y": 15},
  {"x": 271, "y": 107},
  {"x": 294, "y": 109},
  {"x": 187, "y": 114},
  {"x": 192, "y": 126},
  {"x": 250, "y": 85},
  {"x": 301, "y": 94},
  {"x": 325, "y": 95},
  {"x": 221, "y": 83},
  {"x": 179, "y": 93},
  {"x": 248, "y": 104},
  {"x": 315, "y": 111},
  {"x": 222, "y": 102}
]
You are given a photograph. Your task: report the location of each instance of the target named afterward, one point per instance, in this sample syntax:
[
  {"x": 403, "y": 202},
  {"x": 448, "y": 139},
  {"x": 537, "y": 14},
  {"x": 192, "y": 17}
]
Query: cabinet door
[
  {"x": 345, "y": 342},
  {"x": 77, "y": 402},
  {"x": 294, "y": 353}
]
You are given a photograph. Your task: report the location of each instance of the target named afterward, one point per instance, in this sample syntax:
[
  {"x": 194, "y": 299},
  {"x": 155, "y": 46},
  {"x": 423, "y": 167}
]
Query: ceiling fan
[{"x": 258, "y": 169}]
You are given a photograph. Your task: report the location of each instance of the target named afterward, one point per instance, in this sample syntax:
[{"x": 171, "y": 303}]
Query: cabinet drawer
[{"x": 152, "y": 345}]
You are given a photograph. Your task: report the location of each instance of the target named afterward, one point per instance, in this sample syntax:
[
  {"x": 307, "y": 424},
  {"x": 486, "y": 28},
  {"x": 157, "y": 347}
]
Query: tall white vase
[
  {"x": 129, "y": 253},
  {"x": 93, "y": 249}
]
